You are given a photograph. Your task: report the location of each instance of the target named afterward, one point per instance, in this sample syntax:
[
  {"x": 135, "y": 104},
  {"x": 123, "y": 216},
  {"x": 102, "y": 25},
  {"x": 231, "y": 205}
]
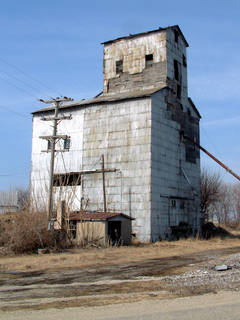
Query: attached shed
[{"x": 101, "y": 227}]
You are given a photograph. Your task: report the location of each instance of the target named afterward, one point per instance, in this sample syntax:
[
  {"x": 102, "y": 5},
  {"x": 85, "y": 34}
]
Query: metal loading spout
[{"x": 211, "y": 156}]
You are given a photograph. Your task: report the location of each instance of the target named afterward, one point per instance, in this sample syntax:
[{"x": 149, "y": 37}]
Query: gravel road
[{"x": 157, "y": 279}]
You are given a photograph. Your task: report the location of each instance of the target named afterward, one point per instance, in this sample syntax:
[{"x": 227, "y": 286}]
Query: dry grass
[{"x": 92, "y": 257}]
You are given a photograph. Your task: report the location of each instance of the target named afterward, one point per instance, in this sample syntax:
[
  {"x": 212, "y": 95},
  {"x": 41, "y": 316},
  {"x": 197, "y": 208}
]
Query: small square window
[
  {"x": 149, "y": 60},
  {"x": 67, "y": 144},
  {"x": 119, "y": 66}
]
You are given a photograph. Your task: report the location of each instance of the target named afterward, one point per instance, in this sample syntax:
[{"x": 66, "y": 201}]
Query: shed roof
[
  {"x": 112, "y": 98},
  {"x": 146, "y": 33},
  {"x": 93, "y": 216}
]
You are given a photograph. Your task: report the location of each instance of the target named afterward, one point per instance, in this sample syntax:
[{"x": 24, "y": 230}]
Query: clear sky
[{"x": 58, "y": 43}]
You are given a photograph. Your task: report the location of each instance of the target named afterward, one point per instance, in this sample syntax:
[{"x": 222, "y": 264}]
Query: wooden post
[{"x": 104, "y": 193}]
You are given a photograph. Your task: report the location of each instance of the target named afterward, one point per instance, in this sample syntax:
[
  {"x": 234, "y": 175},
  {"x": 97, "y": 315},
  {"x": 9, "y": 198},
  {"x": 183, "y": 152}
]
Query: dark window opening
[
  {"x": 119, "y": 66},
  {"x": 174, "y": 203},
  {"x": 177, "y": 71},
  {"x": 184, "y": 60},
  {"x": 179, "y": 89},
  {"x": 67, "y": 144},
  {"x": 182, "y": 204},
  {"x": 176, "y": 35},
  {"x": 49, "y": 145},
  {"x": 67, "y": 179},
  {"x": 149, "y": 60},
  {"x": 73, "y": 228},
  {"x": 189, "y": 112}
]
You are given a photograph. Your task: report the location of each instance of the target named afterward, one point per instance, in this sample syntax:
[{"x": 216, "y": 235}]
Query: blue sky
[{"x": 58, "y": 43}]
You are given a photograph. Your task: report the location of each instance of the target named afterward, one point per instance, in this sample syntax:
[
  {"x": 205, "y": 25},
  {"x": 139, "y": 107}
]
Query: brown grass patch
[{"x": 93, "y": 257}]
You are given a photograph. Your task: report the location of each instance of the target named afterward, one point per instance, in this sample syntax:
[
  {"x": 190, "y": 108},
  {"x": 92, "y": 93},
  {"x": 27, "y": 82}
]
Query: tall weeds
[{"x": 27, "y": 232}]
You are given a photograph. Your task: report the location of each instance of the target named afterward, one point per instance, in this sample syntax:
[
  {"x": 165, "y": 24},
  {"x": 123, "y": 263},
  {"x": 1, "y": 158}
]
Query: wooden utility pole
[
  {"x": 104, "y": 192},
  {"x": 53, "y": 139}
]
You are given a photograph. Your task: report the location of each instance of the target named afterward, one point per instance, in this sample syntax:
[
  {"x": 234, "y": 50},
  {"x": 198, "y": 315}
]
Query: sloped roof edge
[
  {"x": 147, "y": 32},
  {"x": 194, "y": 107},
  {"x": 113, "y": 98},
  {"x": 93, "y": 216}
]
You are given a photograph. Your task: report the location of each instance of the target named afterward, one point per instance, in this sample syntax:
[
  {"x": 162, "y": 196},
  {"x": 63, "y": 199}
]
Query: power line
[
  {"x": 19, "y": 88},
  {"x": 30, "y": 77},
  {"x": 213, "y": 144},
  {"x": 25, "y": 84},
  {"x": 19, "y": 114},
  {"x": 15, "y": 112}
]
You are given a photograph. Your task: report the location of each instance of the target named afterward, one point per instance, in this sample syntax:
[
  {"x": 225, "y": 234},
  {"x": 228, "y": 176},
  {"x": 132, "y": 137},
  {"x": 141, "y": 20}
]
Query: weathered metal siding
[
  {"x": 122, "y": 132},
  {"x": 176, "y": 51},
  {"x": 64, "y": 162},
  {"x": 173, "y": 200},
  {"x": 135, "y": 75}
]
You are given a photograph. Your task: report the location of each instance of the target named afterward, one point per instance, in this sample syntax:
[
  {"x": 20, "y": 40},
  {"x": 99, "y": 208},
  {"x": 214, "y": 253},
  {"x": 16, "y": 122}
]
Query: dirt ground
[{"x": 91, "y": 276}]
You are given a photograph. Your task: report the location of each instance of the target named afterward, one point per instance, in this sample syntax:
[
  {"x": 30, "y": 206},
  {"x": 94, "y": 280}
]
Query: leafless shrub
[
  {"x": 23, "y": 200},
  {"x": 27, "y": 232}
]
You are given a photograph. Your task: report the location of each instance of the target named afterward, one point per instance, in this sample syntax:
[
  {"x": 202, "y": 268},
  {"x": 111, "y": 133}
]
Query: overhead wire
[
  {"x": 15, "y": 112},
  {"x": 19, "y": 114},
  {"x": 30, "y": 77},
  {"x": 26, "y": 84},
  {"x": 213, "y": 145},
  {"x": 20, "y": 89},
  {"x": 22, "y": 169}
]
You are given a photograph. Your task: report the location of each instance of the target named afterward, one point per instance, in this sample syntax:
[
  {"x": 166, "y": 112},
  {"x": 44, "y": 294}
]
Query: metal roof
[
  {"x": 93, "y": 216},
  {"x": 112, "y": 98},
  {"x": 146, "y": 33}
]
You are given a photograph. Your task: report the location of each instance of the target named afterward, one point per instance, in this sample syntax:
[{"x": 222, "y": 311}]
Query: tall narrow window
[
  {"x": 179, "y": 91},
  {"x": 119, "y": 66},
  {"x": 177, "y": 71},
  {"x": 176, "y": 35},
  {"x": 149, "y": 60}
]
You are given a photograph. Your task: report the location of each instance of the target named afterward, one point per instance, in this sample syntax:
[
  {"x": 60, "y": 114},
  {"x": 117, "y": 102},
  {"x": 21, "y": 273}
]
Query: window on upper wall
[
  {"x": 174, "y": 204},
  {"x": 119, "y": 66},
  {"x": 179, "y": 89},
  {"x": 67, "y": 179},
  {"x": 182, "y": 204},
  {"x": 177, "y": 71},
  {"x": 176, "y": 34},
  {"x": 149, "y": 60}
]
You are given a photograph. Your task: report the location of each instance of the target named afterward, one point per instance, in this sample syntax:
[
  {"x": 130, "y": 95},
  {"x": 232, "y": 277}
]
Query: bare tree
[
  {"x": 211, "y": 190},
  {"x": 23, "y": 198},
  {"x": 236, "y": 203},
  {"x": 223, "y": 208}
]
